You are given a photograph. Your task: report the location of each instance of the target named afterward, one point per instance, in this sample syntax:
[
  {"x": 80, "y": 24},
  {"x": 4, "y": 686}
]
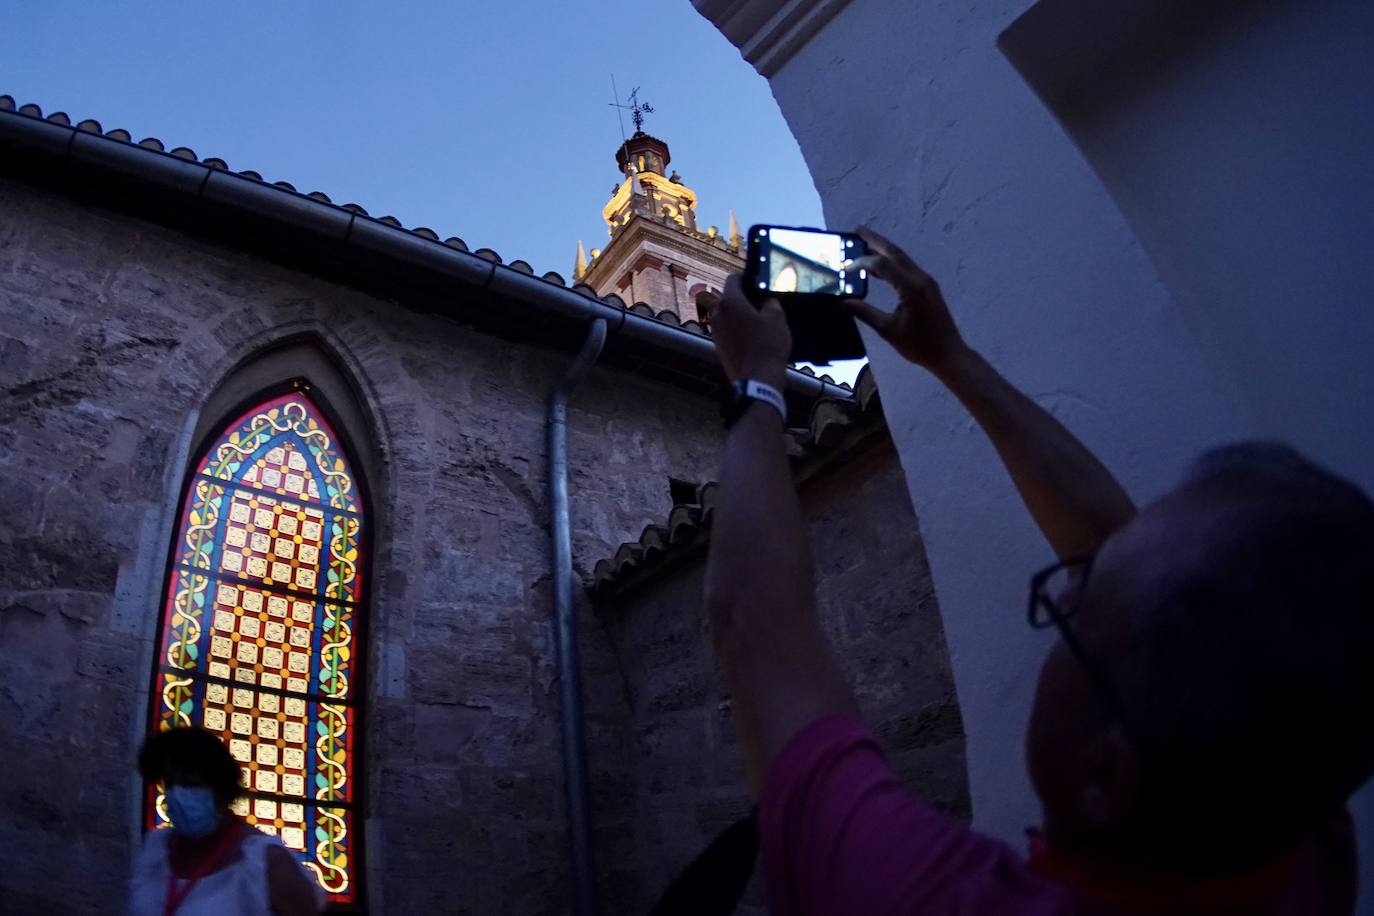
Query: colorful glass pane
[{"x": 259, "y": 624}]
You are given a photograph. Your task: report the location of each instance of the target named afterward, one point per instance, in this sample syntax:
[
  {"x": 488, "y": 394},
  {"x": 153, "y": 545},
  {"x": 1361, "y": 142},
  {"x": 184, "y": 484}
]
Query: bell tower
[{"x": 658, "y": 253}]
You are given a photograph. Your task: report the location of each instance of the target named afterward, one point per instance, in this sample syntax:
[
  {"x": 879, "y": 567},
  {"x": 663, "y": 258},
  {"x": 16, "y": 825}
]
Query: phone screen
[{"x": 806, "y": 262}]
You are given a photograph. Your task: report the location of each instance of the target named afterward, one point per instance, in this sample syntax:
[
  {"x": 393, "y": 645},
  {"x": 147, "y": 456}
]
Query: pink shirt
[{"x": 840, "y": 834}]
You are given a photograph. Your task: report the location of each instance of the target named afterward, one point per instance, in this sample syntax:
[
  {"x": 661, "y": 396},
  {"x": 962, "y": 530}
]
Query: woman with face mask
[{"x": 210, "y": 861}]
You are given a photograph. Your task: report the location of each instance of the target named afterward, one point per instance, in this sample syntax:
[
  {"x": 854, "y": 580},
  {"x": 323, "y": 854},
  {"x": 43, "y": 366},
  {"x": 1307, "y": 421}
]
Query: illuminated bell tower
[{"x": 658, "y": 253}]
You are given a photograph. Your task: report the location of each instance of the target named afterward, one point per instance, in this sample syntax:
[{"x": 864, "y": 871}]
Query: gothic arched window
[
  {"x": 259, "y": 627},
  {"x": 785, "y": 281}
]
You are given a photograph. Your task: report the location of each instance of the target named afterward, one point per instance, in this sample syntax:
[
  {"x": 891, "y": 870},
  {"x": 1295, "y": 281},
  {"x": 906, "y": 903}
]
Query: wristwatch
[{"x": 746, "y": 391}]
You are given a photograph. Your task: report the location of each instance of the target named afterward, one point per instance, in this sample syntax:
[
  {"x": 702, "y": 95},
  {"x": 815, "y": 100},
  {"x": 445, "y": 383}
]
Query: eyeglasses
[{"x": 1046, "y": 610}]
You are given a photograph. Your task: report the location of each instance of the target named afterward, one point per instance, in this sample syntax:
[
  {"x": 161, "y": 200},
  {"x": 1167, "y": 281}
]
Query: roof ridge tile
[
  {"x": 666, "y": 316},
  {"x": 830, "y": 420}
]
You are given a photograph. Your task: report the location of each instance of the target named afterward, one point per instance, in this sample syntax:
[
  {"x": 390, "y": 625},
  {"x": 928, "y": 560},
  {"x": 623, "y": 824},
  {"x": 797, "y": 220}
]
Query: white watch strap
[{"x": 768, "y": 395}]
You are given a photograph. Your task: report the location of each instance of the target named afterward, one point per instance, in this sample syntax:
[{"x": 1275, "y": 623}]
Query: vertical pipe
[{"x": 569, "y": 668}]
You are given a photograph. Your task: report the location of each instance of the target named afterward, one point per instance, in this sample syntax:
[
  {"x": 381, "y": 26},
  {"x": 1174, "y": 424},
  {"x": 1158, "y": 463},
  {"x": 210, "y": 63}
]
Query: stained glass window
[{"x": 259, "y": 627}]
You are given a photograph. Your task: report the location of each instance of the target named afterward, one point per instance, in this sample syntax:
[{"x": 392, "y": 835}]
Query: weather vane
[{"x": 636, "y": 108}]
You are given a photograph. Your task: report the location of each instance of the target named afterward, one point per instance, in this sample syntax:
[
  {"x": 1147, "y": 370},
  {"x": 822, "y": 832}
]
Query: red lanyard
[{"x": 176, "y": 897}]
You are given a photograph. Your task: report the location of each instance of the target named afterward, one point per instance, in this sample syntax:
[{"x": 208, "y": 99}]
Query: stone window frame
[{"x": 301, "y": 362}]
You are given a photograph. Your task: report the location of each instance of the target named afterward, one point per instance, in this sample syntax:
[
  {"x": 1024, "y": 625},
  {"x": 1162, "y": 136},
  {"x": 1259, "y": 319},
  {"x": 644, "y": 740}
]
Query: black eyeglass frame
[{"x": 1057, "y": 616}]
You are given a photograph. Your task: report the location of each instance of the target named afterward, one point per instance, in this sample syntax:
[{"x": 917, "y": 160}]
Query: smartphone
[{"x": 804, "y": 269}]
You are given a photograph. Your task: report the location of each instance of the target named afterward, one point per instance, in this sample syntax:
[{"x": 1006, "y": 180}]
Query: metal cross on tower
[{"x": 636, "y": 108}]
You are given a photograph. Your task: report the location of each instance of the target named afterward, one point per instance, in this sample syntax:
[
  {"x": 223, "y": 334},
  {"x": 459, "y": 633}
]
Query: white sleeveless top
[{"x": 237, "y": 890}]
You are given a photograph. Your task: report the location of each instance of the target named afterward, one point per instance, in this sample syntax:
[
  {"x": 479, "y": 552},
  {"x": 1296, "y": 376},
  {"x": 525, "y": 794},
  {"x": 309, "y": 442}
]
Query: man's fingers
[
  {"x": 876, "y": 264},
  {"x": 868, "y": 262},
  {"x": 732, "y": 297},
  {"x": 896, "y": 257},
  {"x": 869, "y": 314},
  {"x": 878, "y": 242}
]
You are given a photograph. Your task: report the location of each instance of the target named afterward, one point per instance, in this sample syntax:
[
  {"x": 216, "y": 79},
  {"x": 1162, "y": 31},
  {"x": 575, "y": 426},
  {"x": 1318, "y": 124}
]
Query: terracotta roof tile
[
  {"x": 661, "y": 544},
  {"x": 155, "y": 146}
]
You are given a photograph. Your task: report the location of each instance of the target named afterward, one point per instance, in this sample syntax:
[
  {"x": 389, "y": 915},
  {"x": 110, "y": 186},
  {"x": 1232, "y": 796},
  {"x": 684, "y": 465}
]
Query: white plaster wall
[
  {"x": 913, "y": 122},
  {"x": 1247, "y": 171}
]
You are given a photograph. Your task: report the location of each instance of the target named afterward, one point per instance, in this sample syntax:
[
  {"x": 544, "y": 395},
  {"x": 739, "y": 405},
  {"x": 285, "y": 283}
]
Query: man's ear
[{"x": 1111, "y": 787}]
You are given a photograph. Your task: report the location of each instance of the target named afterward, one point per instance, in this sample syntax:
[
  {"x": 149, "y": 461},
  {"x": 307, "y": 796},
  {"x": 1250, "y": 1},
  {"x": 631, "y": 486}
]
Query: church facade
[{"x": 277, "y": 468}]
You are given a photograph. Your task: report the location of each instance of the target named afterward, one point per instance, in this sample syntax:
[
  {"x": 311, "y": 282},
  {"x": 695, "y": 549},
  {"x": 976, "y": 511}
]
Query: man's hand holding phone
[
  {"x": 752, "y": 343},
  {"x": 921, "y": 327}
]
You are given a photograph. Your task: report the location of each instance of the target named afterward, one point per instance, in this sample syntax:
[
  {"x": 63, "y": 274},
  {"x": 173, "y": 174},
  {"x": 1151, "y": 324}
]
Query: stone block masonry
[{"x": 113, "y": 333}]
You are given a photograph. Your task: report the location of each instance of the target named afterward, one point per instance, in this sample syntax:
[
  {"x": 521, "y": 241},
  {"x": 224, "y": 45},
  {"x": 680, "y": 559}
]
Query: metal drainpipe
[{"x": 569, "y": 668}]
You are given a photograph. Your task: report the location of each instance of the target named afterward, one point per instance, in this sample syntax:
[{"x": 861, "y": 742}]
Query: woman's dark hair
[{"x": 191, "y": 753}]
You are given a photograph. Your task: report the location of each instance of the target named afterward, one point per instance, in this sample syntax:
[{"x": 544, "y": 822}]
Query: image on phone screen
[{"x": 800, "y": 261}]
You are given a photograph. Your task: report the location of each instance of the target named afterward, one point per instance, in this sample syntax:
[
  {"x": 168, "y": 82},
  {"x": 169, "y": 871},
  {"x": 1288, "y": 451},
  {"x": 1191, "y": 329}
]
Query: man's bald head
[{"x": 1236, "y": 617}]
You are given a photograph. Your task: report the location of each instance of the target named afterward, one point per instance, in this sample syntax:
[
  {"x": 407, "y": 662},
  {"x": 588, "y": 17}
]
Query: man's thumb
[{"x": 869, "y": 314}]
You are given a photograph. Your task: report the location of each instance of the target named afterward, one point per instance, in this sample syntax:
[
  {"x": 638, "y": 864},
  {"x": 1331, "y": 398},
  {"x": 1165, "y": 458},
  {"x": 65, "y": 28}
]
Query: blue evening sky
[{"x": 489, "y": 121}]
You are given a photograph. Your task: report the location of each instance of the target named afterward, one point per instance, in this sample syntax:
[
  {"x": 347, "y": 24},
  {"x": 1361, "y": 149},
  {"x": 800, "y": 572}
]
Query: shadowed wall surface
[{"x": 658, "y": 699}]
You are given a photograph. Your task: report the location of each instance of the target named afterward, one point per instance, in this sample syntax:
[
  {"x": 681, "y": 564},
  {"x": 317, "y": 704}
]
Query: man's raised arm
[
  {"x": 759, "y": 588},
  {"x": 1074, "y": 499}
]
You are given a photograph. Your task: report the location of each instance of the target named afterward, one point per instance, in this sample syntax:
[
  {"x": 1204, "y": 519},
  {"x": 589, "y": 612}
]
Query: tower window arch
[{"x": 261, "y": 622}]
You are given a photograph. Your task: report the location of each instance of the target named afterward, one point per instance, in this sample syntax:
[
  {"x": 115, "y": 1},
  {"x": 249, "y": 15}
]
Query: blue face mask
[{"x": 193, "y": 810}]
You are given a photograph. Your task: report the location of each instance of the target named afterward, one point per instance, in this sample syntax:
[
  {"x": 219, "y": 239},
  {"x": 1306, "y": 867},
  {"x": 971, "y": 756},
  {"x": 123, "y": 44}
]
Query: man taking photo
[{"x": 1195, "y": 733}]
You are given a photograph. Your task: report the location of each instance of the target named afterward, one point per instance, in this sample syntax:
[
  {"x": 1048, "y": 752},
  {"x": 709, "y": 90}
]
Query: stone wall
[
  {"x": 113, "y": 333},
  {"x": 663, "y": 743}
]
